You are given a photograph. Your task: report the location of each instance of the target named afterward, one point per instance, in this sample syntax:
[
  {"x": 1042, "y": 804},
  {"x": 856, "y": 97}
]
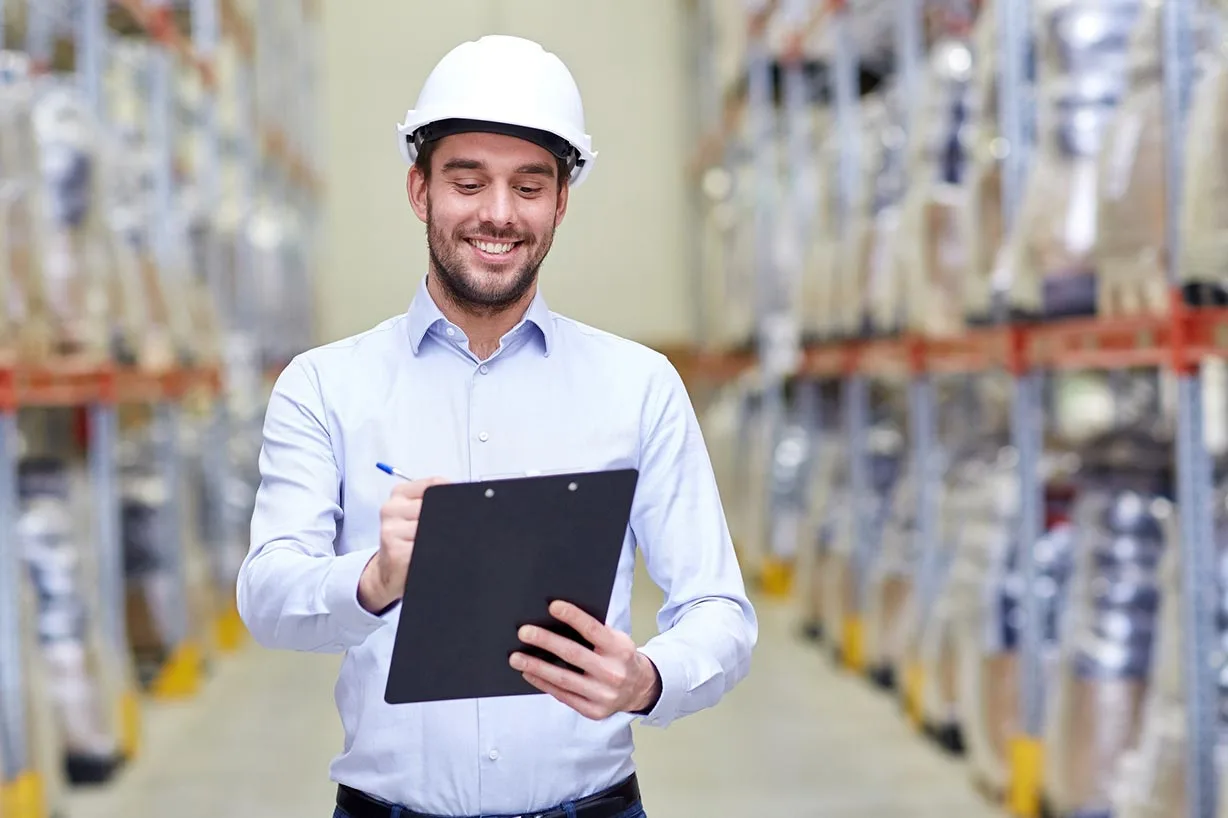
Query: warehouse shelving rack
[
  {"x": 1178, "y": 341},
  {"x": 273, "y": 141}
]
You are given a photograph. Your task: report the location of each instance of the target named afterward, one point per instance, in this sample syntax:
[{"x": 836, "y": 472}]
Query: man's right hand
[{"x": 383, "y": 580}]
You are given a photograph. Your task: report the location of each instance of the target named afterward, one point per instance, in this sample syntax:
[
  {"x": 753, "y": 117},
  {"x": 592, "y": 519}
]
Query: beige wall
[{"x": 622, "y": 258}]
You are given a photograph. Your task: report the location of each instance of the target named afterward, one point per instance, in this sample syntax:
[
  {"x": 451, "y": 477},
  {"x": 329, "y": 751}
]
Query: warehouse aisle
[{"x": 795, "y": 739}]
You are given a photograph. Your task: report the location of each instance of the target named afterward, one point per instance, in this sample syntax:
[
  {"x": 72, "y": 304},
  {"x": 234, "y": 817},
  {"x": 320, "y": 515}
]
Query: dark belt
[{"x": 605, "y": 804}]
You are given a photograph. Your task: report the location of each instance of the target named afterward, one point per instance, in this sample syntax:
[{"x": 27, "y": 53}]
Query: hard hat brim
[{"x": 557, "y": 144}]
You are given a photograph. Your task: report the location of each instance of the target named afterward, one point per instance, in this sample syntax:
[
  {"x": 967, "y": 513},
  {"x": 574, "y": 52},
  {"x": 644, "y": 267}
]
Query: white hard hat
[{"x": 506, "y": 85}]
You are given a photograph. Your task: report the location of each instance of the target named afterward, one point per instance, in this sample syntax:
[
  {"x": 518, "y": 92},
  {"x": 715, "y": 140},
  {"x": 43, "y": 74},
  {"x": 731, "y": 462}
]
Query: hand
[
  {"x": 616, "y": 677},
  {"x": 383, "y": 580}
]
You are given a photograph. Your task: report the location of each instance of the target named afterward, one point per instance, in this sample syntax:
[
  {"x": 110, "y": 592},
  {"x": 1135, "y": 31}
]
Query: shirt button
[
  {"x": 483, "y": 369},
  {"x": 450, "y": 331},
  {"x": 493, "y": 755},
  {"x": 483, "y": 437}
]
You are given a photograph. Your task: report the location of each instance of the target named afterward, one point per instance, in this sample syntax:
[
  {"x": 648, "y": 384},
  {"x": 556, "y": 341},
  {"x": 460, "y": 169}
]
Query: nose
[{"x": 498, "y": 206}]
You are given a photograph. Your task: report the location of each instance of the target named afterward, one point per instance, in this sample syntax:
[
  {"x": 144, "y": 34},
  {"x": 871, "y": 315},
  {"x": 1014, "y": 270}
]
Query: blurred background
[{"x": 946, "y": 281}]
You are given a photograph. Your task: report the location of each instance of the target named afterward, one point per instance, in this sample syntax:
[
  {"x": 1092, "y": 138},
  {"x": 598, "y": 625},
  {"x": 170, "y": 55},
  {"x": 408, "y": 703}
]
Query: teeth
[{"x": 494, "y": 249}]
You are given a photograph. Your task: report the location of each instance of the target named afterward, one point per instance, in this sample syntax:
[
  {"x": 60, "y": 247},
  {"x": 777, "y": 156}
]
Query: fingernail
[
  {"x": 517, "y": 661},
  {"x": 528, "y": 632}
]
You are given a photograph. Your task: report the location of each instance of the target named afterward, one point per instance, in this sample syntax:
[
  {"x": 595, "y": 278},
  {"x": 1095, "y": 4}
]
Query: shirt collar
[{"x": 424, "y": 314}]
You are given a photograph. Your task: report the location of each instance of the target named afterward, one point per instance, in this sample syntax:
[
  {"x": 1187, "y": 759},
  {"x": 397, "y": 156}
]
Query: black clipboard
[{"x": 489, "y": 557}]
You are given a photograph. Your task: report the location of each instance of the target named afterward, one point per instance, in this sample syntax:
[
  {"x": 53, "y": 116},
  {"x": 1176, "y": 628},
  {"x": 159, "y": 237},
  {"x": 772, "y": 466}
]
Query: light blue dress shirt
[{"x": 556, "y": 396}]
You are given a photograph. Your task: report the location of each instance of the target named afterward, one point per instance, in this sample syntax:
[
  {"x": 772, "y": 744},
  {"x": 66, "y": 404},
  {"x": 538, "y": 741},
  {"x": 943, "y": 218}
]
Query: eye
[
  {"x": 469, "y": 187},
  {"x": 529, "y": 190}
]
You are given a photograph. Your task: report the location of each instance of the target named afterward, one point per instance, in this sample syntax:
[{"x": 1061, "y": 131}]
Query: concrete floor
[{"x": 797, "y": 738}]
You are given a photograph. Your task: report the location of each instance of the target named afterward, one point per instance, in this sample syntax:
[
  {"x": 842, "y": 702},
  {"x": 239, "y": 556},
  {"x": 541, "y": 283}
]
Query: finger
[
  {"x": 401, "y": 507},
  {"x": 414, "y": 489},
  {"x": 580, "y": 704},
  {"x": 566, "y": 649},
  {"x": 583, "y": 686},
  {"x": 400, "y": 530},
  {"x": 595, "y": 631}
]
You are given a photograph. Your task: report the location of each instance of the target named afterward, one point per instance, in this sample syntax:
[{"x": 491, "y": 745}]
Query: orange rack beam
[
  {"x": 1180, "y": 339},
  {"x": 71, "y": 384}
]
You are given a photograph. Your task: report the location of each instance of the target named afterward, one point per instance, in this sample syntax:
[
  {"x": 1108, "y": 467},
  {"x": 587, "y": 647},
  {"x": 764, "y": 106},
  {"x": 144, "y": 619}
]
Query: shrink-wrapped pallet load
[
  {"x": 790, "y": 473},
  {"x": 43, "y": 769},
  {"x": 1151, "y": 779},
  {"x": 725, "y": 313},
  {"x": 931, "y": 254},
  {"x": 890, "y": 583},
  {"x": 931, "y": 644},
  {"x": 981, "y": 222},
  {"x": 151, "y": 246},
  {"x": 855, "y": 542},
  {"x": 855, "y": 235},
  {"x": 1121, "y": 524},
  {"x": 819, "y": 284},
  {"x": 1204, "y": 219},
  {"x": 73, "y": 239},
  {"x": 80, "y": 679},
  {"x": 169, "y": 600},
  {"x": 1050, "y": 262},
  {"x": 988, "y": 579},
  {"x": 27, "y": 331},
  {"x": 824, "y": 493},
  {"x": 883, "y": 305},
  {"x": 1129, "y": 252},
  {"x": 751, "y": 459}
]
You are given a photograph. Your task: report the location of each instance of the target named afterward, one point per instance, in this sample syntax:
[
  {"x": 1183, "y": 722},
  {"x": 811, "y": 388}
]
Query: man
[{"x": 479, "y": 379}]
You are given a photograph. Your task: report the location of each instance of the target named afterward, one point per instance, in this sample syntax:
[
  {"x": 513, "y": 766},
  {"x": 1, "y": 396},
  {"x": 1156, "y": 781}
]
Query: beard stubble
[{"x": 463, "y": 287}]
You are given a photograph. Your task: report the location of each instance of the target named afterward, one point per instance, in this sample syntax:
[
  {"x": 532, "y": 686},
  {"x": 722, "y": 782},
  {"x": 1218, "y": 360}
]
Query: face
[{"x": 491, "y": 208}]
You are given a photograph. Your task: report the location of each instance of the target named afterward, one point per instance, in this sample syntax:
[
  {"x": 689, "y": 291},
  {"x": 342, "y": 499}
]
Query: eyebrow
[
  {"x": 534, "y": 168},
  {"x": 537, "y": 168}
]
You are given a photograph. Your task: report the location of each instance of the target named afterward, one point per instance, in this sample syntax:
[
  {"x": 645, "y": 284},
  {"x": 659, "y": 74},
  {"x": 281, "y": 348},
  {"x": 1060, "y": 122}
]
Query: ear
[
  {"x": 560, "y": 209},
  {"x": 415, "y": 188}
]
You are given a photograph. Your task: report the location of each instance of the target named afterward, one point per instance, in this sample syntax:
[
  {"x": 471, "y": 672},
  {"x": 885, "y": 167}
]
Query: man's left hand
[{"x": 617, "y": 677}]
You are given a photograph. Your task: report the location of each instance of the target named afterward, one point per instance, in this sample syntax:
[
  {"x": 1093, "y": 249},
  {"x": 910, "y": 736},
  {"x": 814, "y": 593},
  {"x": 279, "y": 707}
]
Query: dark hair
[{"x": 426, "y": 153}]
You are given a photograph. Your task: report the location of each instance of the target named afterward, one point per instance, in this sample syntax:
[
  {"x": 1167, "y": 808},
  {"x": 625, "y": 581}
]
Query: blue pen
[{"x": 386, "y": 469}]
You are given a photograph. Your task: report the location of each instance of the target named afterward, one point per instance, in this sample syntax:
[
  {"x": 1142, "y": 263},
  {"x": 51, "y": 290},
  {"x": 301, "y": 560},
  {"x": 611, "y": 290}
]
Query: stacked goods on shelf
[
  {"x": 819, "y": 283},
  {"x": 1150, "y": 778},
  {"x": 1122, "y": 525},
  {"x": 1049, "y": 267},
  {"x": 726, "y": 315},
  {"x": 1204, "y": 220},
  {"x": 930, "y": 693},
  {"x": 83, "y": 682},
  {"x": 167, "y": 576},
  {"x": 890, "y": 581},
  {"x": 789, "y": 473},
  {"x": 146, "y": 219},
  {"x": 43, "y": 738},
  {"x": 982, "y": 226},
  {"x": 752, "y": 452},
  {"x": 858, "y": 527},
  {"x": 821, "y": 498},
  {"x": 82, "y": 258},
  {"x": 197, "y": 240},
  {"x": 932, "y": 254},
  {"x": 25, "y": 315},
  {"x": 855, "y": 236},
  {"x": 877, "y": 265},
  {"x": 1130, "y": 219},
  {"x": 987, "y": 580}
]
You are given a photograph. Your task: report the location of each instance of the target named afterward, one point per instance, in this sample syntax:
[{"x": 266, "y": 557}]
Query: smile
[{"x": 494, "y": 248}]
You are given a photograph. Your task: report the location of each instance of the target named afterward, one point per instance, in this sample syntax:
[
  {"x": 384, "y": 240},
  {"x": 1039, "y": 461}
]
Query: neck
[{"x": 483, "y": 326}]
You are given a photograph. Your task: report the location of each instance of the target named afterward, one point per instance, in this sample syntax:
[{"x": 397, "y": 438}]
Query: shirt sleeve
[
  {"x": 294, "y": 591},
  {"x": 708, "y": 627}
]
